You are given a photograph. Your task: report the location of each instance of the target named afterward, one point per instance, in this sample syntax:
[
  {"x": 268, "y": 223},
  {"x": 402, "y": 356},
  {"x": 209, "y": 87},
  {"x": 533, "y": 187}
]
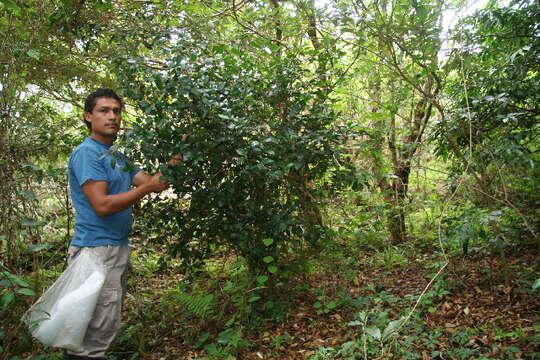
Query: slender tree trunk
[{"x": 396, "y": 192}]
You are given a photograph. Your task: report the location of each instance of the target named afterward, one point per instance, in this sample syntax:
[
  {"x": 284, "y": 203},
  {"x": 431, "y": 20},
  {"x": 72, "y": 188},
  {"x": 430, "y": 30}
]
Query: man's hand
[{"x": 155, "y": 184}]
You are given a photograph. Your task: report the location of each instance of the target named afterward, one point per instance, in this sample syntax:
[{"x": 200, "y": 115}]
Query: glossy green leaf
[
  {"x": 374, "y": 332},
  {"x": 392, "y": 327},
  {"x": 31, "y": 222},
  {"x": 262, "y": 279},
  {"x": 28, "y": 194},
  {"x": 33, "y": 54},
  {"x": 6, "y": 299},
  {"x": 39, "y": 247},
  {"x": 26, "y": 291},
  {"x": 15, "y": 279}
]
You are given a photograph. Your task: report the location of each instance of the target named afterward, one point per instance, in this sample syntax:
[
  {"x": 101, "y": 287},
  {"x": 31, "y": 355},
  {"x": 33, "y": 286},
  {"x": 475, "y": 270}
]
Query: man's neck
[{"x": 107, "y": 140}]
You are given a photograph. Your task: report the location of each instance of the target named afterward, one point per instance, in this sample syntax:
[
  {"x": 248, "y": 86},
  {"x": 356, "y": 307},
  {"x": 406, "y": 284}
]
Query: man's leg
[{"x": 105, "y": 322}]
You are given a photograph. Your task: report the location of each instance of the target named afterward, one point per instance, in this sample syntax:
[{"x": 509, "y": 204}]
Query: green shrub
[{"x": 259, "y": 139}]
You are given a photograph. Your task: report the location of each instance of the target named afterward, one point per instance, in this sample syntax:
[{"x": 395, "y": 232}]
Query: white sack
[{"x": 61, "y": 315}]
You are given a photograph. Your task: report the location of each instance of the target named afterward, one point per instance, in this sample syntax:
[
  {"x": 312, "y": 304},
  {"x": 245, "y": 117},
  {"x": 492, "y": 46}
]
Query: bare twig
[
  {"x": 252, "y": 30},
  {"x": 422, "y": 295}
]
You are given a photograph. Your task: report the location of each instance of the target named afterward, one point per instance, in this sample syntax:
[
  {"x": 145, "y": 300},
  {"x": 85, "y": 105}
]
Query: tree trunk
[
  {"x": 395, "y": 210},
  {"x": 309, "y": 208},
  {"x": 402, "y": 157}
]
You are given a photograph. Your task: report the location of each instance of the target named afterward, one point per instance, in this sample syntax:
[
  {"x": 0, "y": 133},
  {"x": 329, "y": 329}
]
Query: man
[{"x": 103, "y": 192}]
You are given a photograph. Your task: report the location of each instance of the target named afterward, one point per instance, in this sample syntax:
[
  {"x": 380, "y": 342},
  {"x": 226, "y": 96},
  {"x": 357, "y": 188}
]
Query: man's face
[{"x": 105, "y": 117}]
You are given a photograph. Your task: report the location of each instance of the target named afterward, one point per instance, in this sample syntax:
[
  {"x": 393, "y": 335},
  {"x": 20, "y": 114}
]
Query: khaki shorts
[{"x": 105, "y": 322}]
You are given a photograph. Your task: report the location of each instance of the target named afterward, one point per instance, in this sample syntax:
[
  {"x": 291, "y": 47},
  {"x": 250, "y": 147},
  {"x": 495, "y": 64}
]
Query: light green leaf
[
  {"x": 31, "y": 222},
  {"x": 362, "y": 316},
  {"x": 6, "y": 299},
  {"x": 331, "y": 305},
  {"x": 16, "y": 280},
  {"x": 38, "y": 247},
  {"x": 202, "y": 339},
  {"x": 391, "y": 327},
  {"x": 31, "y": 166},
  {"x": 374, "y": 332},
  {"x": 536, "y": 284},
  {"x": 272, "y": 269},
  {"x": 268, "y": 241},
  {"x": 33, "y": 54},
  {"x": 262, "y": 279},
  {"x": 211, "y": 349},
  {"x": 11, "y": 5},
  {"x": 224, "y": 116},
  {"x": 28, "y": 195},
  {"x": 26, "y": 291},
  {"x": 268, "y": 259}
]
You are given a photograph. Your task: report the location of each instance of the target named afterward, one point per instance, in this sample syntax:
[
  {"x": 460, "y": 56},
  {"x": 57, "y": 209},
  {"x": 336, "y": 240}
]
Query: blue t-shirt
[{"x": 92, "y": 161}]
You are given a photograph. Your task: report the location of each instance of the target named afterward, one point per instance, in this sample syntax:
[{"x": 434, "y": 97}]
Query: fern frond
[{"x": 200, "y": 306}]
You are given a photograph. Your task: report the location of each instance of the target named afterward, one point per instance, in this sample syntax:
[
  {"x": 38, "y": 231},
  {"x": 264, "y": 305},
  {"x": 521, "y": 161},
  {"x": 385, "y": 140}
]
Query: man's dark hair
[{"x": 91, "y": 101}]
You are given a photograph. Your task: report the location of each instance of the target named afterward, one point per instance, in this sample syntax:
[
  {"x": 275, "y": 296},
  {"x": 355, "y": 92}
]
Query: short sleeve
[
  {"x": 87, "y": 165},
  {"x": 133, "y": 173}
]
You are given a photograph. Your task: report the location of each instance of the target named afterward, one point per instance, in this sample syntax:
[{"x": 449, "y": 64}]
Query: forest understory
[{"x": 478, "y": 308}]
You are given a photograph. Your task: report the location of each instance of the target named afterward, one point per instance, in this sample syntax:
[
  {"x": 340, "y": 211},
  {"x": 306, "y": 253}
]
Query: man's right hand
[{"x": 155, "y": 184}]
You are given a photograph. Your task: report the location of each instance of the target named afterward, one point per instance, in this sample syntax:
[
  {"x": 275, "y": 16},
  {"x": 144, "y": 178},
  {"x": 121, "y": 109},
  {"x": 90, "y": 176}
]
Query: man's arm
[{"x": 108, "y": 204}]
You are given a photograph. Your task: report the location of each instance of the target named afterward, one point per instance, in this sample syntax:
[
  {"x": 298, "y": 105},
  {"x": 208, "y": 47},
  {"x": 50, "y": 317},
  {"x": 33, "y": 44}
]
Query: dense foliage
[
  {"x": 492, "y": 126},
  {"x": 259, "y": 138}
]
